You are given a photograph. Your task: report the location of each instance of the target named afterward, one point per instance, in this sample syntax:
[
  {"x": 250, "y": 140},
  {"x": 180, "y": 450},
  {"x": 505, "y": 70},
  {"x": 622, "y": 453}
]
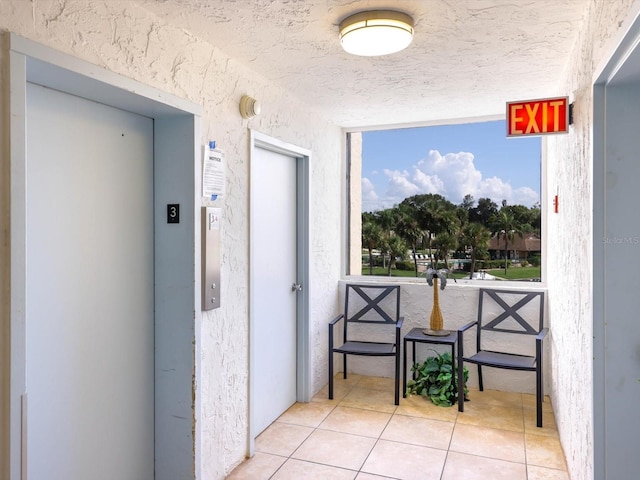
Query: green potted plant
[{"x": 435, "y": 379}]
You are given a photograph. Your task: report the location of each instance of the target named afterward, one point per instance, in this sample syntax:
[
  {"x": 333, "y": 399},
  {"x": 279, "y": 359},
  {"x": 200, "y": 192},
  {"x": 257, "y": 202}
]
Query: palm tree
[
  {"x": 431, "y": 224},
  {"x": 372, "y": 236},
  {"x": 387, "y": 220},
  {"x": 419, "y": 208},
  {"x": 444, "y": 243},
  {"x": 475, "y": 236},
  {"x": 396, "y": 247},
  {"x": 409, "y": 229},
  {"x": 448, "y": 224},
  {"x": 434, "y": 214},
  {"x": 506, "y": 226}
]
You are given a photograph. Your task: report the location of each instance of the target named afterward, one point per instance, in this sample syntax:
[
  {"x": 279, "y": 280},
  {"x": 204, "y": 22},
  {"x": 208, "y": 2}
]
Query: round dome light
[{"x": 376, "y": 32}]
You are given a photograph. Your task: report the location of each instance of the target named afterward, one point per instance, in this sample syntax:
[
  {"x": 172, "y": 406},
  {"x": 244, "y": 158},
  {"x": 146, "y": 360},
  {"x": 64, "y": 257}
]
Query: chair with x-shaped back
[
  {"x": 369, "y": 304},
  {"x": 502, "y": 315}
]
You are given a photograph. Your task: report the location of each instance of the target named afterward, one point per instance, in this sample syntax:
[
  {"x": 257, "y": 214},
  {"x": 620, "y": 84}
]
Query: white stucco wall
[
  {"x": 125, "y": 39},
  {"x": 128, "y": 40},
  {"x": 355, "y": 197},
  {"x": 569, "y": 265}
]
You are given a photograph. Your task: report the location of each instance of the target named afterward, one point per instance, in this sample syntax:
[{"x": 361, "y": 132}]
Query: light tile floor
[{"x": 362, "y": 435}]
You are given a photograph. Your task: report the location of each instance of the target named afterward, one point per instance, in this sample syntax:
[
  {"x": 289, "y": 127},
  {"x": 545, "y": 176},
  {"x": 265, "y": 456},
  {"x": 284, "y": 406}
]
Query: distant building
[{"x": 520, "y": 248}]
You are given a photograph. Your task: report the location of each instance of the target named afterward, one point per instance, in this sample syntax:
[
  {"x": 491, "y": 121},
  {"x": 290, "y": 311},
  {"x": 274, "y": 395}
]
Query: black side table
[{"x": 416, "y": 336}]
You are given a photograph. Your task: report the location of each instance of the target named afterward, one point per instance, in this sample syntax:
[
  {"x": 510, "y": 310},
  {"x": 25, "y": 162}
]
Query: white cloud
[
  {"x": 399, "y": 184},
  {"x": 370, "y": 199},
  {"x": 525, "y": 196},
  {"x": 368, "y": 190},
  {"x": 428, "y": 183},
  {"x": 456, "y": 173},
  {"x": 453, "y": 176},
  {"x": 494, "y": 188}
]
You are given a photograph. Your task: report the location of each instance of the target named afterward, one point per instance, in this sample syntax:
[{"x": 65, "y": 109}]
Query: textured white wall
[
  {"x": 126, "y": 39},
  {"x": 569, "y": 265},
  {"x": 355, "y": 196}
]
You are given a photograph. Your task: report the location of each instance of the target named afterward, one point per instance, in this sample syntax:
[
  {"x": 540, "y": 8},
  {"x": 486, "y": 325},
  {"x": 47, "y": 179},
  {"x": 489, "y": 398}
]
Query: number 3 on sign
[{"x": 173, "y": 213}]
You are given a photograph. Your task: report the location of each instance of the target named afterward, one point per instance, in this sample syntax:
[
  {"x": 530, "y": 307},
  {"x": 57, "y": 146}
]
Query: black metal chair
[
  {"x": 498, "y": 316},
  {"x": 368, "y": 304}
]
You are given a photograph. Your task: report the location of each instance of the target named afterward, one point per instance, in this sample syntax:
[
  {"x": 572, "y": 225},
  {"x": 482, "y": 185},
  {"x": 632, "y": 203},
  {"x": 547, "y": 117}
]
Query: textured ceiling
[{"x": 467, "y": 59}]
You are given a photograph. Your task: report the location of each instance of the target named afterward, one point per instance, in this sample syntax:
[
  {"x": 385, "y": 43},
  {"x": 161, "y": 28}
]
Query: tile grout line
[
  {"x": 316, "y": 428},
  {"x": 289, "y": 457},
  {"x": 446, "y": 457},
  {"x": 391, "y": 414},
  {"x": 524, "y": 438},
  {"x": 377, "y": 439},
  {"x": 525, "y": 433},
  {"x": 370, "y": 410}
]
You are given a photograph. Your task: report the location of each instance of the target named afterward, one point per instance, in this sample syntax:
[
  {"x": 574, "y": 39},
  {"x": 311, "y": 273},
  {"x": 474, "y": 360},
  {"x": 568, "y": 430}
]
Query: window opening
[{"x": 462, "y": 197}]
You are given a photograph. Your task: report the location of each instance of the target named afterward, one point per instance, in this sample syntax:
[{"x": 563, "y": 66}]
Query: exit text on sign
[{"x": 538, "y": 117}]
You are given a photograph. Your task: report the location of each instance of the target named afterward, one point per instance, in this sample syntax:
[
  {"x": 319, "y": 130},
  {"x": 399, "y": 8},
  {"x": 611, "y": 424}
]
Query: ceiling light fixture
[{"x": 376, "y": 32}]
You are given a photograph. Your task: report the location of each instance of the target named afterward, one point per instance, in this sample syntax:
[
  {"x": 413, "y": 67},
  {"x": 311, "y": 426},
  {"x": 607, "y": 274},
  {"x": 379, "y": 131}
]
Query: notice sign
[
  {"x": 213, "y": 174},
  {"x": 538, "y": 117}
]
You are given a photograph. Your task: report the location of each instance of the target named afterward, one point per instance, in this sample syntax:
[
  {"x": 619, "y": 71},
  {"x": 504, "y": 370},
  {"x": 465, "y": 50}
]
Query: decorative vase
[{"x": 436, "y": 321}]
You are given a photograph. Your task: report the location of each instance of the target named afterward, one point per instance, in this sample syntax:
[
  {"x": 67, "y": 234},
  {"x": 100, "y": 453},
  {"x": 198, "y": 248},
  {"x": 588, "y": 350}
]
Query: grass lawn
[
  {"x": 379, "y": 271},
  {"x": 516, "y": 273},
  {"x": 513, "y": 273}
]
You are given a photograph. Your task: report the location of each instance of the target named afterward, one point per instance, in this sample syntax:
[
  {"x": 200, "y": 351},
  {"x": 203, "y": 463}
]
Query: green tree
[
  {"x": 506, "y": 226},
  {"x": 484, "y": 212},
  {"x": 434, "y": 213},
  {"x": 476, "y": 237},
  {"x": 447, "y": 233},
  {"x": 524, "y": 216},
  {"x": 435, "y": 223},
  {"x": 468, "y": 202},
  {"x": 372, "y": 236},
  {"x": 443, "y": 244},
  {"x": 396, "y": 247},
  {"x": 387, "y": 219},
  {"x": 463, "y": 210},
  {"x": 409, "y": 229},
  {"x": 536, "y": 218}
]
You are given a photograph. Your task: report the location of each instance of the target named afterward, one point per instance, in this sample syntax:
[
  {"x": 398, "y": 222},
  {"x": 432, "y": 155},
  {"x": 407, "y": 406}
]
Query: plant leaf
[{"x": 435, "y": 379}]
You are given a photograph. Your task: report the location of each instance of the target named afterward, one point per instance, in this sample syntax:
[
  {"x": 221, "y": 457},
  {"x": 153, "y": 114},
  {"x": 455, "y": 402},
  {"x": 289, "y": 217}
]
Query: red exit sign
[{"x": 538, "y": 117}]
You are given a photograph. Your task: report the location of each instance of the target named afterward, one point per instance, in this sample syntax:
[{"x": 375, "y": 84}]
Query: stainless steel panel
[{"x": 211, "y": 257}]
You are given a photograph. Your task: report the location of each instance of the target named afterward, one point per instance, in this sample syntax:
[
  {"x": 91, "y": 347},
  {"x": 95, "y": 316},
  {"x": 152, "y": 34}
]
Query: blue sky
[{"x": 451, "y": 160}]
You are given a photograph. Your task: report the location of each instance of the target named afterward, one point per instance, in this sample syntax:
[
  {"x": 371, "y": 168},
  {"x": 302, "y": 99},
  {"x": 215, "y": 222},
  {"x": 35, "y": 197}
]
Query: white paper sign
[{"x": 213, "y": 174}]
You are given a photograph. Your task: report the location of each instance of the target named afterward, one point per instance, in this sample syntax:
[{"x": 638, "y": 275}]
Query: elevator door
[{"x": 90, "y": 290}]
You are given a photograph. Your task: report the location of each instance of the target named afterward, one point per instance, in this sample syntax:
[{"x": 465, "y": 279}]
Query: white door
[
  {"x": 616, "y": 280},
  {"x": 273, "y": 251},
  {"x": 89, "y": 319}
]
